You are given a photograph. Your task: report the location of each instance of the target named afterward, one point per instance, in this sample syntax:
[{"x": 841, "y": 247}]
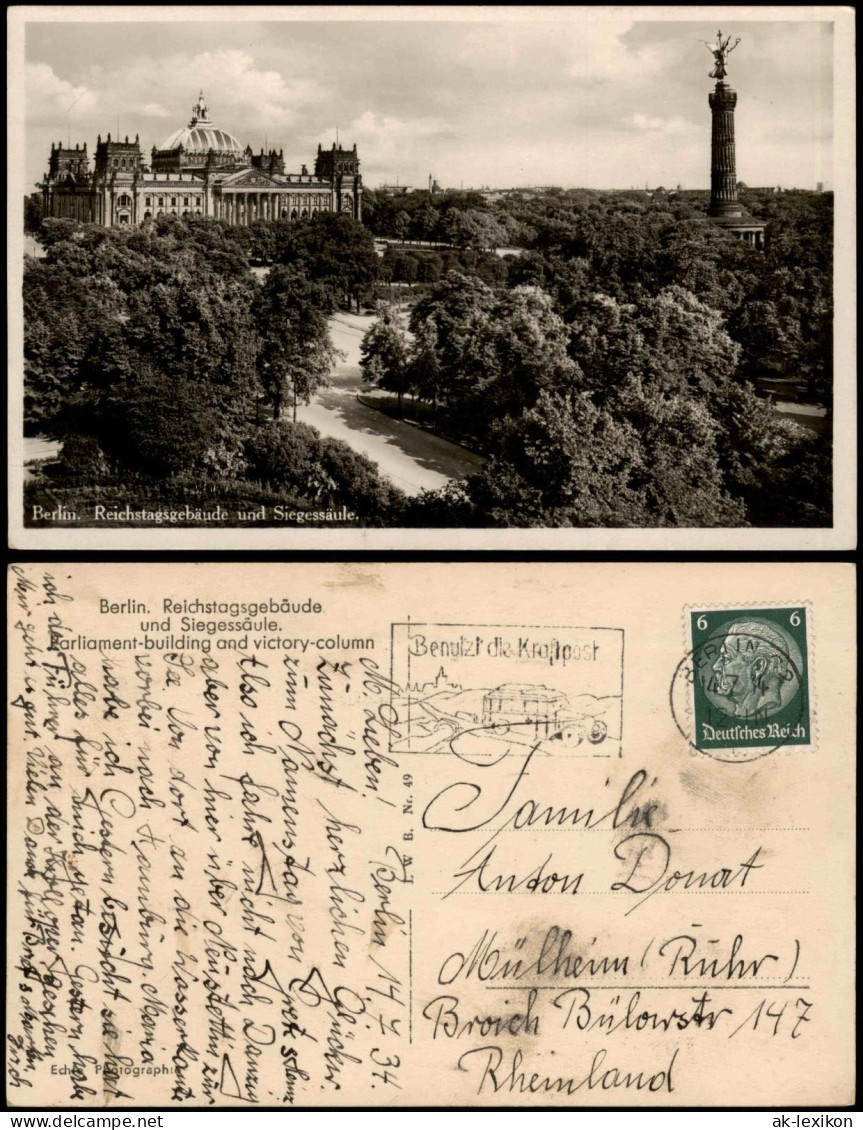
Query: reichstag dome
[{"x": 201, "y": 135}]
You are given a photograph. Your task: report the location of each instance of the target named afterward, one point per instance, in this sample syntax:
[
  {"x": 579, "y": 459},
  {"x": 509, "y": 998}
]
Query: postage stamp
[
  {"x": 748, "y": 681},
  {"x": 477, "y": 689}
]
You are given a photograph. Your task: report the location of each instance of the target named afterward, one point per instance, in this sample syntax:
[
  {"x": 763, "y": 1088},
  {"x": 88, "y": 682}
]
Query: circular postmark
[{"x": 741, "y": 693}]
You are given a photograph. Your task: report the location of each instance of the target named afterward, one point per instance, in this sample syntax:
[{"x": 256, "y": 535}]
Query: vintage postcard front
[
  {"x": 340, "y": 277},
  {"x": 430, "y": 834}
]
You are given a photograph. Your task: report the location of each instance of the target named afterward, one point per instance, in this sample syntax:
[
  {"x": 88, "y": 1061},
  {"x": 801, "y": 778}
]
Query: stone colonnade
[
  {"x": 753, "y": 236},
  {"x": 243, "y": 208}
]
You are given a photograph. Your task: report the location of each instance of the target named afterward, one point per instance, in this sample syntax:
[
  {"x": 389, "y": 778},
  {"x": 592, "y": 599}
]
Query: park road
[{"x": 411, "y": 458}]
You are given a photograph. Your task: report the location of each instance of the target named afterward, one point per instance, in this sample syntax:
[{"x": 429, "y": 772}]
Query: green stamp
[{"x": 750, "y": 678}]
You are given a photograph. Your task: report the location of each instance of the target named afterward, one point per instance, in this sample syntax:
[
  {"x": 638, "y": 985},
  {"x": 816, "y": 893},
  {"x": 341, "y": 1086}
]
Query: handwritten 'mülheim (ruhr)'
[{"x": 462, "y": 861}]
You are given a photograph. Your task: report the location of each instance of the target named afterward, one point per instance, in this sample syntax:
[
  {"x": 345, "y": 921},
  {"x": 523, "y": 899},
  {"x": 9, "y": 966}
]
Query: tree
[
  {"x": 65, "y": 316},
  {"x": 32, "y": 213},
  {"x": 296, "y": 353},
  {"x": 202, "y": 326},
  {"x": 402, "y": 225},
  {"x": 634, "y": 414},
  {"x": 52, "y": 231},
  {"x": 797, "y": 488},
  {"x": 562, "y": 463},
  {"x": 425, "y": 370},
  {"x": 429, "y": 269},
  {"x": 159, "y": 423},
  {"x": 458, "y": 310},
  {"x": 567, "y": 463},
  {"x": 333, "y": 249},
  {"x": 114, "y": 318},
  {"x": 672, "y": 342},
  {"x": 405, "y": 268},
  {"x": 473, "y": 228},
  {"x": 448, "y": 506},
  {"x": 282, "y": 455},
  {"x": 321, "y": 470},
  {"x": 356, "y": 482},
  {"x": 264, "y": 241},
  {"x": 384, "y": 353},
  {"x": 528, "y": 341},
  {"x": 428, "y": 220},
  {"x": 489, "y": 353},
  {"x": 786, "y": 331}
]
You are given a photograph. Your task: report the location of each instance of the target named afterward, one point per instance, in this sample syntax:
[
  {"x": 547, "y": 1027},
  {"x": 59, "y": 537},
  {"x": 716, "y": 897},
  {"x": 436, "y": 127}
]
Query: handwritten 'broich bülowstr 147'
[{"x": 430, "y": 834}]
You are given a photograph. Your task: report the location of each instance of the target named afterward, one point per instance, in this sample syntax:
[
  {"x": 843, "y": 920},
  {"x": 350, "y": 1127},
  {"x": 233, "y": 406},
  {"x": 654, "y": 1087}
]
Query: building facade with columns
[{"x": 201, "y": 170}]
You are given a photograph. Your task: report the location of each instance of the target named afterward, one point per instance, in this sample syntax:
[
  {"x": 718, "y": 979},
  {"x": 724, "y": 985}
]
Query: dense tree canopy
[
  {"x": 332, "y": 249},
  {"x": 777, "y": 304},
  {"x": 429, "y": 264},
  {"x": 65, "y": 317},
  {"x": 619, "y": 371},
  {"x": 323, "y": 471},
  {"x": 116, "y": 322}
]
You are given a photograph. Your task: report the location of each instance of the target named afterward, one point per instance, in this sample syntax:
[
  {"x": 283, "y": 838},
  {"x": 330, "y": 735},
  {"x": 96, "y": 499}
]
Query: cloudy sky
[{"x": 590, "y": 97}]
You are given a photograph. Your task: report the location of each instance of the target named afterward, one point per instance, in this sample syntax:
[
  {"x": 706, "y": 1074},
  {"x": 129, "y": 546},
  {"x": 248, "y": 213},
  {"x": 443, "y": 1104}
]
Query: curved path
[{"x": 413, "y": 459}]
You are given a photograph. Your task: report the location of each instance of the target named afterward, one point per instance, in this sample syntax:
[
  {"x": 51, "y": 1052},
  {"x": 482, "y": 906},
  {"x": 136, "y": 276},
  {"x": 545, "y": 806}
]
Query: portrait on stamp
[{"x": 750, "y": 682}]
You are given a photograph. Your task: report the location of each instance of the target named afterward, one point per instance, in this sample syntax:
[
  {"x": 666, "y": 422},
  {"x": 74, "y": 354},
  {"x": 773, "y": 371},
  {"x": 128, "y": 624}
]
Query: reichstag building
[{"x": 200, "y": 170}]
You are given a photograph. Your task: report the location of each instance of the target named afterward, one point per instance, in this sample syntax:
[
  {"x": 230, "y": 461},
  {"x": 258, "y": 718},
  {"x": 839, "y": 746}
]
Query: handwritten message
[{"x": 268, "y": 848}]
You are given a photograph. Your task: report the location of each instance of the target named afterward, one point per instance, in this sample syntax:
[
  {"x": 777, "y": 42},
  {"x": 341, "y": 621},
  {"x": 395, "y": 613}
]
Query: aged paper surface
[
  {"x": 166, "y": 532},
  {"x": 447, "y": 834}
]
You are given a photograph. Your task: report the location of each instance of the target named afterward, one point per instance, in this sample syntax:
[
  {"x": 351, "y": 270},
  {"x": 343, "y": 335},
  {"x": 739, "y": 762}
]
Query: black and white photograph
[{"x": 470, "y": 277}]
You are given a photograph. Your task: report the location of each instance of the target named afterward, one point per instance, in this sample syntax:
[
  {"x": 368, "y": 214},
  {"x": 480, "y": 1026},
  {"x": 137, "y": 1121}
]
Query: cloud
[
  {"x": 599, "y": 51},
  {"x": 47, "y": 93},
  {"x": 153, "y": 110},
  {"x": 661, "y": 125},
  {"x": 395, "y": 148},
  {"x": 578, "y": 44},
  {"x": 389, "y": 135},
  {"x": 236, "y": 86}
]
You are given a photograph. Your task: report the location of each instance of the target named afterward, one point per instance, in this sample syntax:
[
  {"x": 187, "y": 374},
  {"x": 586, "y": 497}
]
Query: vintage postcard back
[
  {"x": 446, "y": 834},
  {"x": 633, "y": 328}
]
